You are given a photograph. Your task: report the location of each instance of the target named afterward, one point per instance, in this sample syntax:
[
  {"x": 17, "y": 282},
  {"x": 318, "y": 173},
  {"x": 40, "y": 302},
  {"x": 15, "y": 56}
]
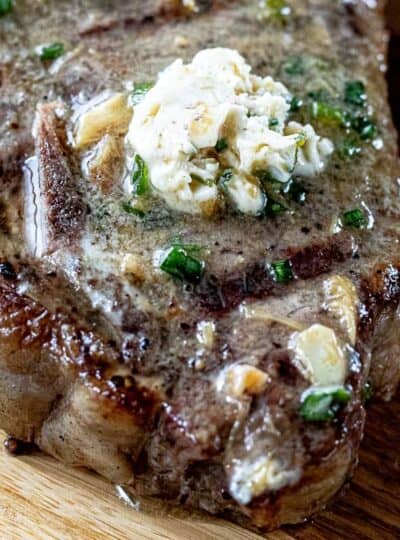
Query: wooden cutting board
[{"x": 41, "y": 499}]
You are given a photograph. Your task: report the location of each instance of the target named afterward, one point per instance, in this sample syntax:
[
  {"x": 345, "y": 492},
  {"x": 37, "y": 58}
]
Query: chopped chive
[
  {"x": 296, "y": 191},
  {"x": 295, "y": 104},
  {"x": 6, "y": 6},
  {"x": 354, "y": 218},
  {"x": 322, "y": 406},
  {"x": 274, "y": 208},
  {"x": 365, "y": 126},
  {"x": 327, "y": 113},
  {"x": 278, "y": 10},
  {"x": 354, "y": 93},
  {"x": 140, "y": 176},
  {"x": 264, "y": 176},
  {"x": 52, "y": 52},
  {"x": 190, "y": 248},
  {"x": 129, "y": 209},
  {"x": 350, "y": 147},
  {"x": 301, "y": 139},
  {"x": 294, "y": 65},
  {"x": 181, "y": 265},
  {"x": 273, "y": 122},
  {"x": 221, "y": 146},
  {"x": 139, "y": 92},
  {"x": 281, "y": 271},
  {"x": 367, "y": 391}
]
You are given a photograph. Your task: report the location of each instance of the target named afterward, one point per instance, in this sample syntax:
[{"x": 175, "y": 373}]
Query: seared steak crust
[{"x": 105, "y": 369}]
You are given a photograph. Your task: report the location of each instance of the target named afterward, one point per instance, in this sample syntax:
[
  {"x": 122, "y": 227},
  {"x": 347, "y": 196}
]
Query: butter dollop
[{"x": 215, "y": 98}]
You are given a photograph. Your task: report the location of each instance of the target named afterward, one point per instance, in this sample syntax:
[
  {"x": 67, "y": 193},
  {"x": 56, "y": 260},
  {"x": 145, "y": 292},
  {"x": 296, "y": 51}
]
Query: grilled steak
[{"x": 195, "y": 390}]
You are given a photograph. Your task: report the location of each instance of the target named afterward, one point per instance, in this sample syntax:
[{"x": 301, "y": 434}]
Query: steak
[{"x": 185, "y": 391}]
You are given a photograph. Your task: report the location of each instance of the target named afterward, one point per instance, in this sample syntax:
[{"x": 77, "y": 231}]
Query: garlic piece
[
  {"x": 110, "y": 116},
  {"x": 342, "y": 302},
  {"x": 251, "y": 479},
  {"x": 319, "y": 356},
  {"x": 242, "y": 379},
  {"x": 206, "y": 333}
]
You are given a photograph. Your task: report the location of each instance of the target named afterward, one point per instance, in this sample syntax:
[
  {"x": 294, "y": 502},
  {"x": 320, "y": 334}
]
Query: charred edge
[
  {"x": 62, "y": 204},
  {"x": 132, "y": 398},
  {"x": 255, "y": 282},
  {"x": 30, "y": 326}
]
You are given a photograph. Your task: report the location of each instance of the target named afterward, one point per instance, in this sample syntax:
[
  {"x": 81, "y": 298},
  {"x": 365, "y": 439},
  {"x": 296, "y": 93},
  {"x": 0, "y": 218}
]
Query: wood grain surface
[{"x": 41, "y": 499}]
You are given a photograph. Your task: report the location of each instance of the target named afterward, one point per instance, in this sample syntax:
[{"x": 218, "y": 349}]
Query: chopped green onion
[
  {"x": 140, "y": 177},
  {"x": 274, "y": 207},
  {"x": 354, "y": 218},
  {"x": 354, "y": 93},
  {"x": 365, "y": 126},
  {"x": 281, "y": 271},
  {"x": 301, "y": 139},
  {"x": 181, "y": 265},
  {"x": 327, "y": 113},
  {"x": 129, "y": 209},
  {"x": 278, "y": 10},
  {"x": 350, "y": 147},
  {"x": 296, "y": 191},
  {"x": 367, "y": 391},
  {"x": 294, "y": 65},
  {"x": 322, "y": 405},
  {"x": 295, "y": 104},
  {"x": 221, "y": 146},
  {"x": 6, "y": 6},
  {"x": 273, "y": 122},
  {"x": 139, "y": 91},
  {"x": 51, "y": 52},
  {"x": 190, "y": 248},
  {"x": 265, "y": 176}
]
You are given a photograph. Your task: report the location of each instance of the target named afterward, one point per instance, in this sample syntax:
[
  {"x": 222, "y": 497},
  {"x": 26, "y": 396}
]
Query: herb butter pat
[{"x": 178, "y": 126}]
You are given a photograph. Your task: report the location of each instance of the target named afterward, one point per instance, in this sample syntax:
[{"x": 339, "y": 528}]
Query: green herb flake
[
  {"x": 265, "y": 177},
  {"x": 139, "y": 92},
  {"x": 180, "y": 263},
  {"x": 52, "y": 52},
  {"x": 323, "y": 406},
  {"x": 328, "y": 114},
  {"x": 367, "y": 391},
  {"x": 274, "y": 208},
  {"x": 277, "y": 10},
  {"x": 354, "y": 218},
  {"x": 140, "y": 177},
  {"x": 221, "y": 146},
  {"x": 281, "y": 271},
  {"x": 365, "y": 126},
  {"x": 301, "y": 139},
  {"x": 273, "y": 122},
  {"x": 6, "y": 6},
  {"x": 129, "y": 209},
  {"x": 296, "y": 191},
  {"x": 350, "y": 148},
  {"x": 354, "y": 93},
  {"x": 296, "y": 104},
  {"x": 294, "y": 65}
]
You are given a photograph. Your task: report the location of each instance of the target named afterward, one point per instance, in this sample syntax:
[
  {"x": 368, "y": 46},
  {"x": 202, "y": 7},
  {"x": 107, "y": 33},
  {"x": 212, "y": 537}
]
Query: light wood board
[{"x": 41, "y": 499}]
